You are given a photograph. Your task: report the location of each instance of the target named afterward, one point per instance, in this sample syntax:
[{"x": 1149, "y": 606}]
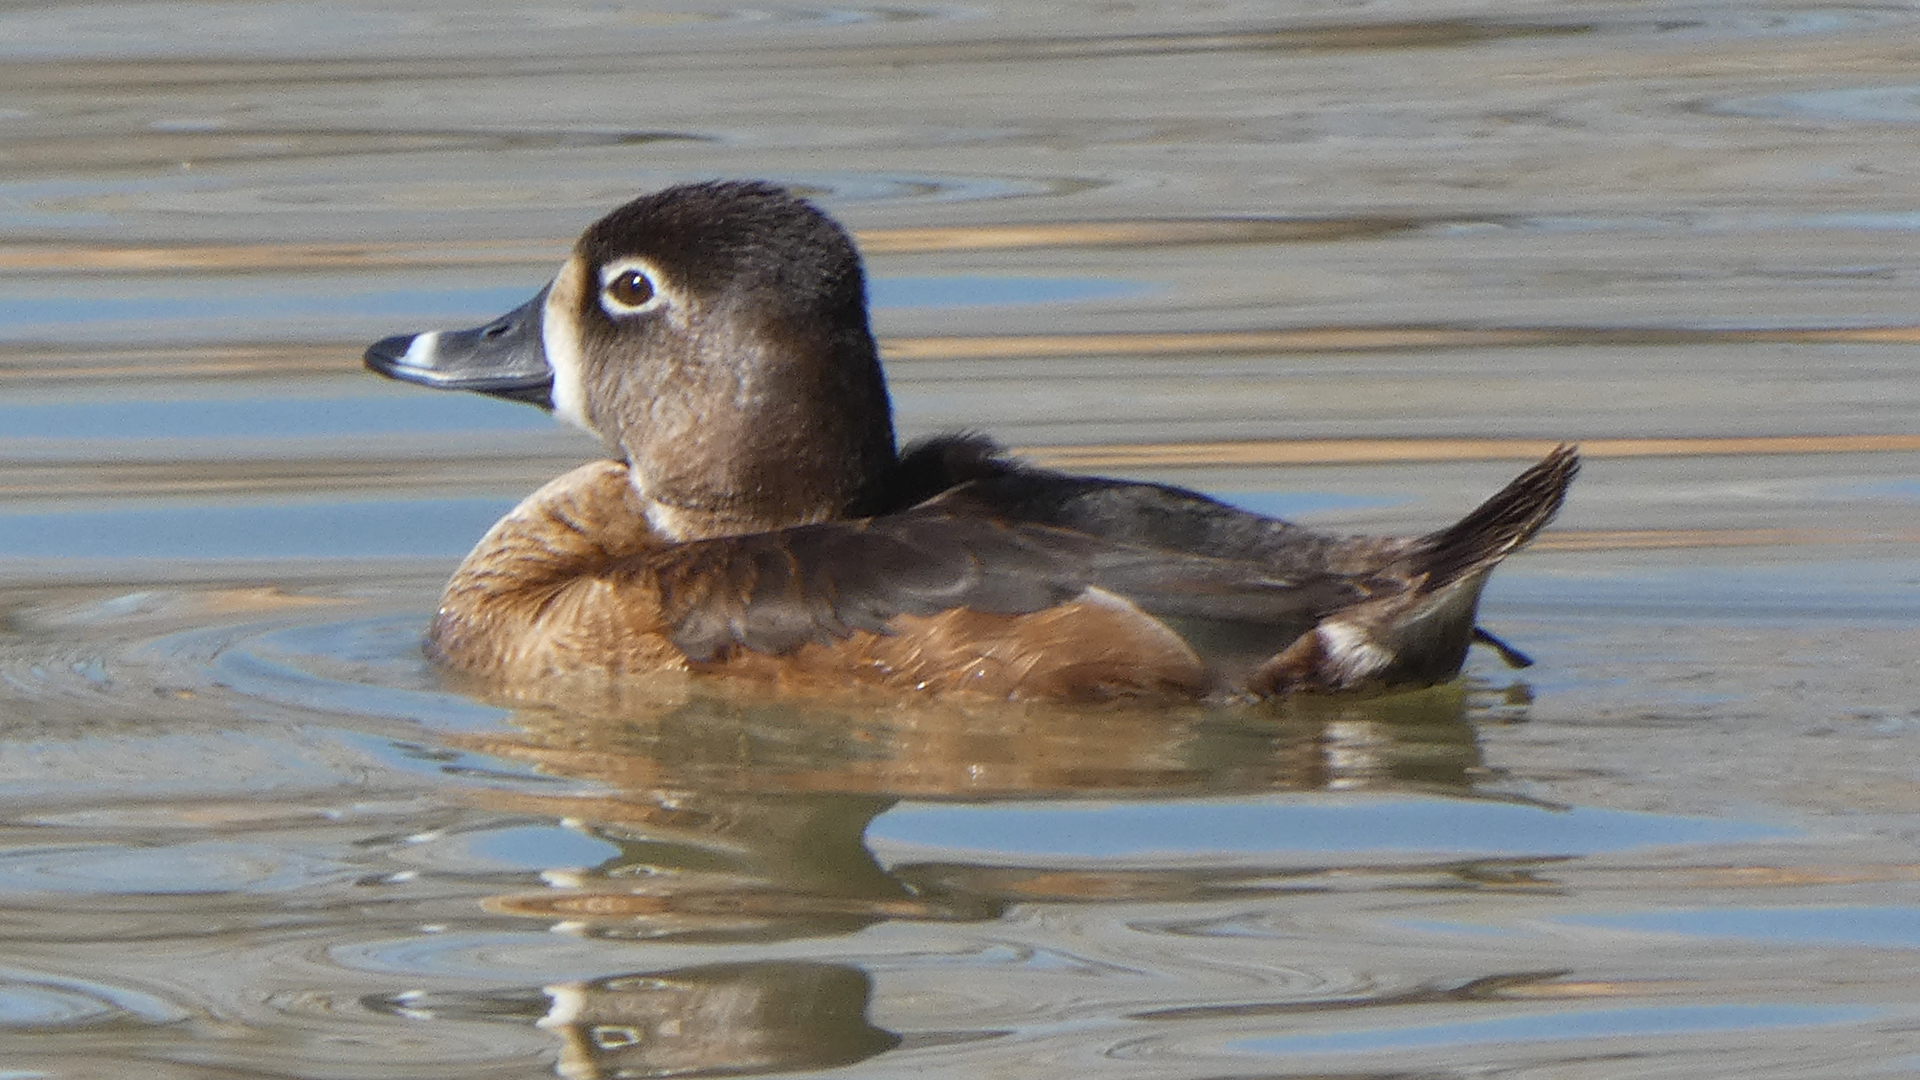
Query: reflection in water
[
  {"x": 738, "y": 819},
  {"x": 698, "y": 866},
  {"x": 711, "y": 1020},
  {"x": 778, "y": 1016},
  {"x": 690, "y": 733}
]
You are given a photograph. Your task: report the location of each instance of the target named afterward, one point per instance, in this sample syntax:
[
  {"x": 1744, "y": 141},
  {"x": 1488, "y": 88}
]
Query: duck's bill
[{"x": 504, "y": 358}]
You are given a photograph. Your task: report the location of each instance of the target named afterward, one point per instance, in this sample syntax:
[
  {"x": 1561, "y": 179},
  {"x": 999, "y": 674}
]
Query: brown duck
[{"x": 755, "y": 519}]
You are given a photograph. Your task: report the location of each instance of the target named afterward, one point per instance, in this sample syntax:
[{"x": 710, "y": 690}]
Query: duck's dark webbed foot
[{"x": 1514, "y": 657}]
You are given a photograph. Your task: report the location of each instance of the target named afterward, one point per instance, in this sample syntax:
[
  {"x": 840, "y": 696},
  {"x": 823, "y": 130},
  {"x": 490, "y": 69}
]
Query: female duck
[{"x": 757, "y": 521}]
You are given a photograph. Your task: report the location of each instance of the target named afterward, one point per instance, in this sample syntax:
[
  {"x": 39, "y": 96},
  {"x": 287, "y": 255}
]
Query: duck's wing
[
  {"x": 1175, "y": 518},
  {"x": 1167, "y": 518},
  {"x": 1031, "y": 544},
  {"x": 774, "y": 592},
  {"x": 973, "y": 470}
]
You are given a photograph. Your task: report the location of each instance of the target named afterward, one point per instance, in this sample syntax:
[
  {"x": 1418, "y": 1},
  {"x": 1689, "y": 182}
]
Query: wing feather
[{"x": 774, "y": 592}]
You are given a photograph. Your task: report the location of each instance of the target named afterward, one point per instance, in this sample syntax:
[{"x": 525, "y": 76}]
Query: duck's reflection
[
  {"x": 740, "y": 819},
  {"x": 775, "y": 1016}
]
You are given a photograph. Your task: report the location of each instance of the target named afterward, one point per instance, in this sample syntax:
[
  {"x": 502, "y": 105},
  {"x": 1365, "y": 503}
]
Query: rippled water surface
[{"x": 1347, "y": 262}]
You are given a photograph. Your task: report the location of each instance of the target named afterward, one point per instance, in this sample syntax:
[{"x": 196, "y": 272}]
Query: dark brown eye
[{"x": 630, "y": 288}]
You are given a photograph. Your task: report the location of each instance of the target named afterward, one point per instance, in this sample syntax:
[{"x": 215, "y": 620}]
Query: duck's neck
[{"x": 796, "y": 444}]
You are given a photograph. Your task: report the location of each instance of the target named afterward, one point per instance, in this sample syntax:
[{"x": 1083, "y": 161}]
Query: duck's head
[{"x": 715, "y": 337}]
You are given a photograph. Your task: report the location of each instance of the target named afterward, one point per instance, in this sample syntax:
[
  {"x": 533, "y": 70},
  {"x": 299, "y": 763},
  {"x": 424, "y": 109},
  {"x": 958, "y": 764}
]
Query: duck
[{"x": 754, "y": 518}]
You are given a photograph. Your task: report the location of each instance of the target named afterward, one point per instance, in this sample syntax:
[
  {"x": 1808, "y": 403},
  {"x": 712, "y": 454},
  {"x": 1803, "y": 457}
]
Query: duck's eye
[{"x": 630, "y": 288}]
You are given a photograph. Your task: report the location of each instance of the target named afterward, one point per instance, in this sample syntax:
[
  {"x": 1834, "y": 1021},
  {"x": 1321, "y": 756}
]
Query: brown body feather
[
  {"x": 953, "y": 596},
  {"x": 573, "y": 582}
]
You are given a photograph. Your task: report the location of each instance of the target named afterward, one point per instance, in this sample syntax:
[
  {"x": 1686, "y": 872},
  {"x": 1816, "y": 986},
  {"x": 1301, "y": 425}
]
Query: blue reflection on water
[
  {"x": 540, "y": 847},
  {"x": 436, "y": 528},
  {"x": 1554, "y": 1027},
  {"x": 269, "y": 417},
  {"x": 1885, "y": 489},
  {"x": 1839, "y": 590},
  {"x": 1868, "y": 926},
  {"x": 1286, "y": 827},
  {"x": 1847, "y": 104}
]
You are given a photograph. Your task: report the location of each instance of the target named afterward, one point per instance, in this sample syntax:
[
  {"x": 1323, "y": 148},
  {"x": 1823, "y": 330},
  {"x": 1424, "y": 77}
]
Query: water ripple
[
  {"x": 589, "y": 31},
  {"x": 532, "y": 956},
  {"x": 1852, "y": 105},
  {"x": 30, "y": 999},
  {"x": 1563, "y": 1026},
  {"x": 190, "y": 867},
  {"x": 128, "y": 31}
]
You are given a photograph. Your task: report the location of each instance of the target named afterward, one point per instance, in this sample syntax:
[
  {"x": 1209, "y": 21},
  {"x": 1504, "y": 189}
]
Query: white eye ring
[{"x": 630, "y": 287}]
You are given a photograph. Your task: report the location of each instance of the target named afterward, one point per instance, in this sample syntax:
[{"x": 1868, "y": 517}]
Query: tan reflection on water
[
  {"x": 778, "y": 792},
  {"x": 740, "y": 820}
]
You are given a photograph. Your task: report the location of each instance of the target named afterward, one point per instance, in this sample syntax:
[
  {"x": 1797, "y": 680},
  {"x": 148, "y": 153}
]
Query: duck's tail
[
  {"x": 1499, "y": 525},
  {"x": 1419, "y": 631}
]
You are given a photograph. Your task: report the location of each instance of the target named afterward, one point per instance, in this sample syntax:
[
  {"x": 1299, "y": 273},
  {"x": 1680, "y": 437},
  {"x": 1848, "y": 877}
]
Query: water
[{"x": 1348, "y": 262}]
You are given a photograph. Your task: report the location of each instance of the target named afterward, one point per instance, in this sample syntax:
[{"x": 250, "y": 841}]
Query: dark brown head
[{"x": 714, "y": 335}]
